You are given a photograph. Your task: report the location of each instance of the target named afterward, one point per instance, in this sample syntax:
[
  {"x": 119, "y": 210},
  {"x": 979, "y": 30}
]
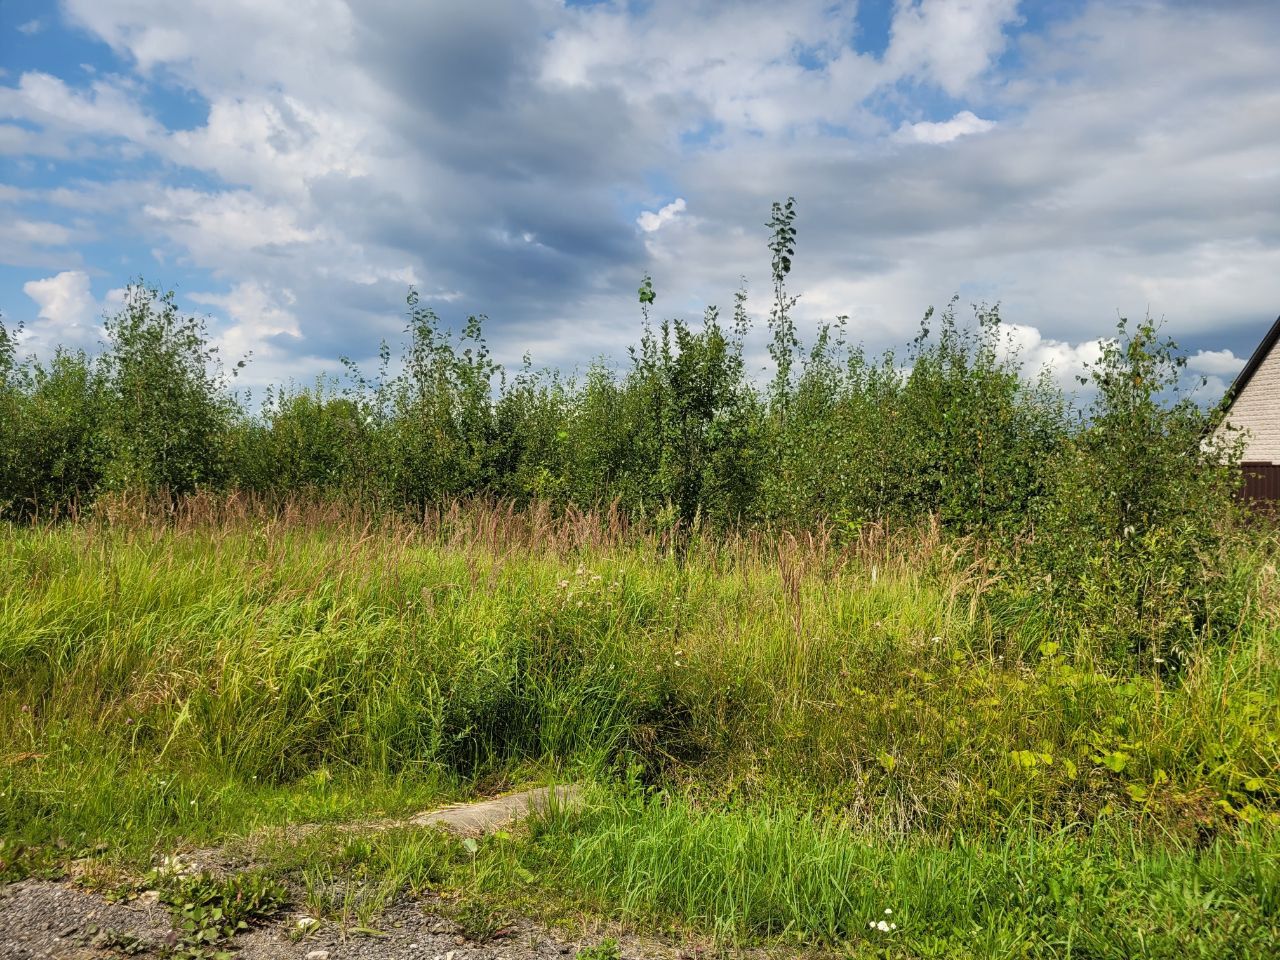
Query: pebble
[{"x": 318, "y": 955}]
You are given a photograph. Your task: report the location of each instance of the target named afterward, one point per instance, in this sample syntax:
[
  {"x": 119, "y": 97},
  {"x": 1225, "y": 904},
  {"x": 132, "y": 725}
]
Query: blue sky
[{"x": 291, "y": 168}]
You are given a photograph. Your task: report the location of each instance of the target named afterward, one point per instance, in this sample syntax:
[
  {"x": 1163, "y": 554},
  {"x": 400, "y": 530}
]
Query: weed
[
  {"x": 606, "y": 949},
  {"x": 209, "y": 911},
  {"x": 478, "y": 921}
]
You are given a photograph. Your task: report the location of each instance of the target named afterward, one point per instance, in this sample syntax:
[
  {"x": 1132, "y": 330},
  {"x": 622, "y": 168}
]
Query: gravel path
[
  {"x": 39, "y": 918},
  {"x": 58, "y": 920},
  {"x": 45, "y": 919}
]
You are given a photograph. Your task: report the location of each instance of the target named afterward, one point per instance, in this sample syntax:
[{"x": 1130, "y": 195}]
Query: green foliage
[
  {"x": 606, "y": 949},
  {"x": 168, "y": 417},
  {"x": 961, "y": 437},
  {"x": 436, "y": 417},
  {"x": 478, "y": 921},
  {"x": 306, "y": 439},
  {"x": 1128, "y": 538},
  {"x": 53, "y": 437},
  {"x": 795, "y": 737},
  {"x": 1115, "y": 521},
  {"x": 784, "y": 343},
  {"x": 210, "y": 911},
  {"x": 286, "y": 654},
  {"x": 773, "y": 873},
  {"x": 687, "y": 418}
]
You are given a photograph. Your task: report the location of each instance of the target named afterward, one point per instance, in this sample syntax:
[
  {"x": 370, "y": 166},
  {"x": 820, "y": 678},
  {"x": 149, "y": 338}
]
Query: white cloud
[
  {"x": 950, "y": 42},
  {"x": 962, "y": 124},
  {"x": 649, "y": 221},
  {"x": 65, "y": 313},
  {"x": 735, "y": 65},
  {"x": 30, "y": 28},
  {"x": 214, "y": 227},
  {"x": 276, "y": 144},
  {"x": 1064, "y": 361},
  {"x": 40, "y": 233},
  {"x": 1211, "y": 390},
  {"x": 40, "y": 243},
  {"x": 105, "y": 109},
  {"x": 1217, "y": 362},
  {"x": 259, "y": 317}
]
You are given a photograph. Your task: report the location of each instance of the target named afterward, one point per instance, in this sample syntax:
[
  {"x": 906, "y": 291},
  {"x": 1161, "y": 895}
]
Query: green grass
[
  {"x": 830, "y": 732},
  {"x": 775, "y": 874},
  {"x": 779, "y": 874}
]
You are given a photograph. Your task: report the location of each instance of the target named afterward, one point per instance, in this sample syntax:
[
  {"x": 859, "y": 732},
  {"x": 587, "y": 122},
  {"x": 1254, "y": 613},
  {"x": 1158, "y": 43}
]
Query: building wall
[{"x": 1257, "y": 411}]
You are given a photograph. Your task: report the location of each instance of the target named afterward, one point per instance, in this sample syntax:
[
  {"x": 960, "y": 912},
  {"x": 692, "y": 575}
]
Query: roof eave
[{"x": 1251, "y": 367}]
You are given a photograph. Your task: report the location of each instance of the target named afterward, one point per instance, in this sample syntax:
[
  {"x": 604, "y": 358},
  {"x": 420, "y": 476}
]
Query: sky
[{"x": 290, "y": 169}]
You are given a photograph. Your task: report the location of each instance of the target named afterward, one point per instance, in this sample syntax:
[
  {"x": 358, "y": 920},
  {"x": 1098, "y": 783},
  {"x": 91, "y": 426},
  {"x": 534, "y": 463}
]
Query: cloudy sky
[{"x": 290, "y": 167}]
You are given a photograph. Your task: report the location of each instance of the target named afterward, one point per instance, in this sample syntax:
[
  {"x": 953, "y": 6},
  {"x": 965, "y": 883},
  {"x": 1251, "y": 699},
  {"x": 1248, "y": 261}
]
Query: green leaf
[{"x": 1115, "y": 761}]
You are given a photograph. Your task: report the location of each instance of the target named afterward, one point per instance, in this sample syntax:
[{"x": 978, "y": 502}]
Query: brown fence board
[{"x": 1261, "y": 482}]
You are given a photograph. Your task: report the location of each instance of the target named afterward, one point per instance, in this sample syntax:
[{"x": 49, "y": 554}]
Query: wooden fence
[{"x": 1261, "y": 482}]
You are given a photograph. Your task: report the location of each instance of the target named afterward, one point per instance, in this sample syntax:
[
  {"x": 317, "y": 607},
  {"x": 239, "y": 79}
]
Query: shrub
[
  {"x": 435, "y": 417},
  {"x": 306, "y": 439},
  {"x": 51, "y": 431},
  {"x": 168, "y": 414},
  {"x": 1127, "y": 541}
]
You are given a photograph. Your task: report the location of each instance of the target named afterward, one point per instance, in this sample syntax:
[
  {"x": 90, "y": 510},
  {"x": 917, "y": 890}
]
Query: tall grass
[
  {"x": 777, "y": 873},
  {"x": 792, "y": 733},
  {"x": 882, "y": 677}
]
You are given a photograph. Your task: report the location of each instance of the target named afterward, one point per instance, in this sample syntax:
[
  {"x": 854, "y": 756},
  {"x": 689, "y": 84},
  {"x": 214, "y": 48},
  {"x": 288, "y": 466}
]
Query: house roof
[{"x": 1255, "y": 361}]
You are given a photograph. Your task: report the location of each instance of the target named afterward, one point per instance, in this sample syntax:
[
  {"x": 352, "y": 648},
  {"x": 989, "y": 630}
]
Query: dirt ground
[
  {"x": 40, "y": 918},
  {"x": 62, "y": 921}
]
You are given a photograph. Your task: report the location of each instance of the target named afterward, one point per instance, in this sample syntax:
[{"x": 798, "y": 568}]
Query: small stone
[
  {"x": 149, "y": 897},
  {"x": 306, "y": 923},
  {"x": 318, "y": 955}
]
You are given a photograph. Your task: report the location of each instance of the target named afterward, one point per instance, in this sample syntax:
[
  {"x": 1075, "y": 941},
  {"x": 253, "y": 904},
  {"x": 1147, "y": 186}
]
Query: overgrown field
[
  {"x": 922, "y": 655},
  {"x": 789, "y": 737}
]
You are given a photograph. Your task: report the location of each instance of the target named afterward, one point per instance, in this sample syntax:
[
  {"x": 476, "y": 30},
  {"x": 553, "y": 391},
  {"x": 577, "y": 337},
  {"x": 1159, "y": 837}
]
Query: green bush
[
  {"x": 305, "y": 439},
  {"x": 168, "y": 418},
  {"x": 1126, "y": 545},
  {"x": 52, "y": 438}
]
